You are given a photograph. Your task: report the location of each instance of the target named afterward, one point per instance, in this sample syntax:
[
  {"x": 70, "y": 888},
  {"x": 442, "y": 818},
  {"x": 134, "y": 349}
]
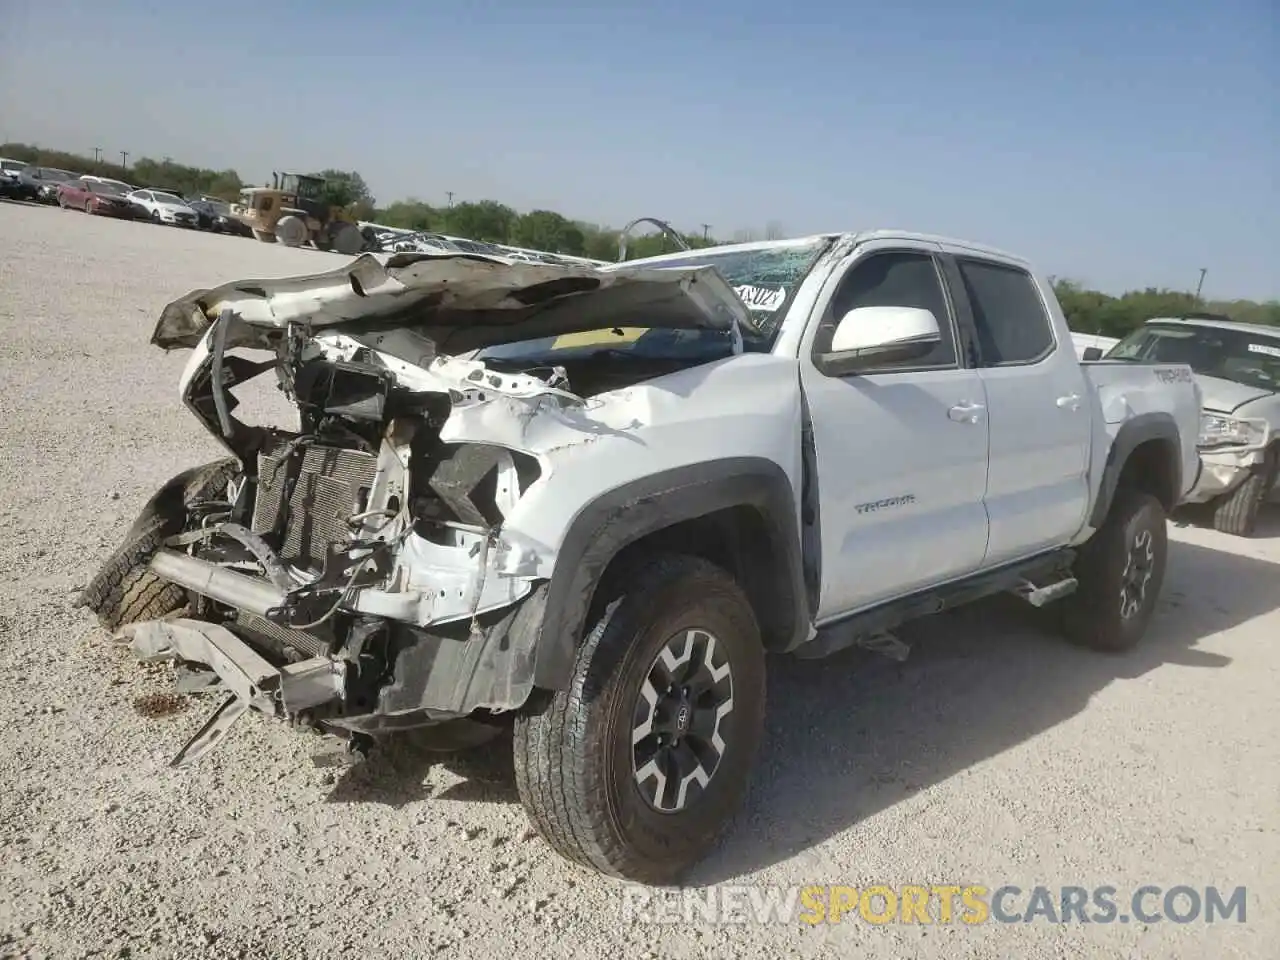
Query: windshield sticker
[
  {"x": 1263, "y": 348},
  {"x": 761, "y": 298}
]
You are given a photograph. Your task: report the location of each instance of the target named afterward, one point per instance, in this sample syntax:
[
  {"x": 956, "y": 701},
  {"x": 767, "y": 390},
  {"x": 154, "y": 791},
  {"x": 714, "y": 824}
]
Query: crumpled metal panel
[{"x": 470, "y": 300}]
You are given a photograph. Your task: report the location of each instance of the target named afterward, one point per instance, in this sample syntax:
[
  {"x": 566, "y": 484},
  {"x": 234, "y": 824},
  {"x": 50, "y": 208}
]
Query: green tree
[
  {"x": 346, "y": 188},
  {"x": 549, "y": 231},
  {"x": 411, "y": 214},
  {"x": 480, "y": 220}
]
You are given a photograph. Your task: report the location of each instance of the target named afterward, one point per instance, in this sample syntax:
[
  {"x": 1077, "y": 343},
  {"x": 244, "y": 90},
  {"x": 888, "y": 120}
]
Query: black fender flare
[
  {"x": 623, "y": 515},
  {"x": 1141, "y": 429}
]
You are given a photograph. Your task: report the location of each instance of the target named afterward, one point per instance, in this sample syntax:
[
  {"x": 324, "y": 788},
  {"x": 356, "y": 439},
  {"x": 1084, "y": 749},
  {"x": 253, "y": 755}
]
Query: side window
[
  {"x": 1010, "y": 318},
  {"x": 897, "y": 279}
]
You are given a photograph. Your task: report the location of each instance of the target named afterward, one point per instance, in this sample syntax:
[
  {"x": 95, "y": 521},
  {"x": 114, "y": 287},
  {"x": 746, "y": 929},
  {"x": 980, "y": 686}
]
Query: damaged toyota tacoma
[{"x": 576, "y": 506}]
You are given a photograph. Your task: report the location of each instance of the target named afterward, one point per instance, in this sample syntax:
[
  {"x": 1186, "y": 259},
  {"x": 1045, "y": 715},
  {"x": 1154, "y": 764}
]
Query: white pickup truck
[{"x": 573, "y": 507}]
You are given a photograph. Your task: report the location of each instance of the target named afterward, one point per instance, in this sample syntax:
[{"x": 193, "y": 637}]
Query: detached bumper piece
[{"x": 284, "y": 692}]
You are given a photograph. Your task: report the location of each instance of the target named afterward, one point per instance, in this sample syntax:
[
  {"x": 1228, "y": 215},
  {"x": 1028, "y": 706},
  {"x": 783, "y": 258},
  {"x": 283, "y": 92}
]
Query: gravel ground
[{"x": 995, "y": 755}]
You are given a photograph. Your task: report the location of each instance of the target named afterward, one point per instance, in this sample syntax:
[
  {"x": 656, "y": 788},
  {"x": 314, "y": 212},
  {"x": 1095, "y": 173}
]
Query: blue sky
[{"x": 1122, "y": 144}]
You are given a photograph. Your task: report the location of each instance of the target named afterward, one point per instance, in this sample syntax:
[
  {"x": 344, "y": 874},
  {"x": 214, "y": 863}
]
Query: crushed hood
[
  {"x": 460, "y": 302},
  {"x": 1225, "y": 396}
]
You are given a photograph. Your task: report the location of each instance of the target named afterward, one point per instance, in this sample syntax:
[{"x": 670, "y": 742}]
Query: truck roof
[
  {"x": 850, "y": 237},
  {"x": 1257, "y": 329}
]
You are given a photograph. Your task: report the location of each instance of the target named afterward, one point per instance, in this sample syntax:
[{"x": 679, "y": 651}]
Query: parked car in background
[
  {"x": 10, "y": 167},
  {"x": 95, "y": 196},
  {"x": 162, "y": 206},
  {"x": 11, "y": 184},
  {"x": 1238, "y": 368},
  {"x": 44, "y": 181},
  {"x": 123, "y": 187},
  {"x": 215, "y": 215}
]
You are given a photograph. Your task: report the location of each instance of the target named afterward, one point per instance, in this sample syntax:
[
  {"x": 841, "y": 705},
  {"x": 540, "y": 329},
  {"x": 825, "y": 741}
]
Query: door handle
[
  {"x": 1070, "y": 402},
  {"x": 966, "y": 412}
]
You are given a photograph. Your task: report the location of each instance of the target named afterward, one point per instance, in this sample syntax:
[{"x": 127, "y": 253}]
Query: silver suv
[{"x": 1238, "y": 368}]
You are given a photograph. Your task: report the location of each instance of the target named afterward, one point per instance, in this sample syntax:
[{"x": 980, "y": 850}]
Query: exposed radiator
[
  {"x": 280, "y": 637},
  {"x": 332, "y": 485}
]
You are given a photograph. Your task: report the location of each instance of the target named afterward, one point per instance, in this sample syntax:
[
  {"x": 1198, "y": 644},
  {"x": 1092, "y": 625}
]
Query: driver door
[{"x": 901, "y": 448}]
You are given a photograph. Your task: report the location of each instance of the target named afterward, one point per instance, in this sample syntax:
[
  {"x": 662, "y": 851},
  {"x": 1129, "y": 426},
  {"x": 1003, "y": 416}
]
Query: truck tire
[
  {"x": 291, "y": 231},
  {"x": 636, "y": 768},
  {"x": 124, "y": 590},
  {"x": 1120, "y": 571},
  {"x": 346, "y": 238},
  {"x": 1237, "y": 512}
]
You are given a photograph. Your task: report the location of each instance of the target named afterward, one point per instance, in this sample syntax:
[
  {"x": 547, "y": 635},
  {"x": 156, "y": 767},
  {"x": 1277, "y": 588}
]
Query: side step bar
[
  {"x": 210, "y": 580},
  {"x": 1039, "y": 596}
]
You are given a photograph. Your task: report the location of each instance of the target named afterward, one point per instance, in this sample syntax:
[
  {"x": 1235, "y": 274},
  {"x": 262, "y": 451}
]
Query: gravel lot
[{"x": 995, "y": 755}]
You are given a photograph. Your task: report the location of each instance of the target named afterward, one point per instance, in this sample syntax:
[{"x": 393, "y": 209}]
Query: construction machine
[{"x": 293, "y": 211}]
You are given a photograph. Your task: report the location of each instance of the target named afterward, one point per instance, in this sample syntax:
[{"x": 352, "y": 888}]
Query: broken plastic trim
[
  {"x": 253, "y": 682},
  {"x": 220, "y": 327}
]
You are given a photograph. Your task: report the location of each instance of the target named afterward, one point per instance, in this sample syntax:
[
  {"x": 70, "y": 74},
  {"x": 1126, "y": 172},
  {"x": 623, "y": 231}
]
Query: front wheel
[
  {"x": 638, "y": 766},
  {"x": 124, "y": 590},
  {"x": 1120, "y": 572},
  {"x": 1237, "y": 512}
]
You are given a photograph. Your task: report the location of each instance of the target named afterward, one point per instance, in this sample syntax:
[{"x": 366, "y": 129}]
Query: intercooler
[{"x": 329, "y": 486}]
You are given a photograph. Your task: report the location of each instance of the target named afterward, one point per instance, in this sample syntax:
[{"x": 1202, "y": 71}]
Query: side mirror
[
  {"x": 870, "y": 336},
  {"x": 1091, "y": 353}
]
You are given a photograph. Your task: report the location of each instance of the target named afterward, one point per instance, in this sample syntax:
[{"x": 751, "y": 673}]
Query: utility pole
[
  {"x": 124, "y": 159},
  {"x": 449, "y": 194},
  {"x": 97, "y": 156},
  {"x": 706, "y": 230},
  {"x": 1203, "y": 271}
]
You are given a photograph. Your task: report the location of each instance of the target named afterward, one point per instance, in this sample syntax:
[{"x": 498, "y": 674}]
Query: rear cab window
[{"x": 1012, "y": 324}]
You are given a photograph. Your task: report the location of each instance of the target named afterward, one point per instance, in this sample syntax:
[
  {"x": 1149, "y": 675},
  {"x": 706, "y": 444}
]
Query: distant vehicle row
[{"x": 115, "y": 198}]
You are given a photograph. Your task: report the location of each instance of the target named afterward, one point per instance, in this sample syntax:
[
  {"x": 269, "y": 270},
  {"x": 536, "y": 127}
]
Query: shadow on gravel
[
  {"x": 396, "y": 773},
  {"x": 853, "y": 735},
  {"x": 1200, "y": 516}
]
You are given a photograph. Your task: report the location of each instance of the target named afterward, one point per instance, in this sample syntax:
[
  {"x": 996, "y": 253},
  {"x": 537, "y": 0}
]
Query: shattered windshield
[
  {"x": 764, "y": 276},
  {"x": 1250, "y": 359}
]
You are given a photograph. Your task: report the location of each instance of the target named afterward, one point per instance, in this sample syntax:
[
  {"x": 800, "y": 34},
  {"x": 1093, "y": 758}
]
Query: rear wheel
[
  {"x": 1120, "y": 572},
  {"x": 638, "y": 766}
]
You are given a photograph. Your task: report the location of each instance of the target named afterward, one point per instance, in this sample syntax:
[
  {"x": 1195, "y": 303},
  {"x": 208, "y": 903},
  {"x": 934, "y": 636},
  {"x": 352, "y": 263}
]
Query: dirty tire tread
[
  {"x": 558, "y": 776},
  {"x": 147, "y": 597},
  {"x": 124, "y": 585},
  {"x": 1237, "y": 513},
  {"x": 124, "y": 590}
]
